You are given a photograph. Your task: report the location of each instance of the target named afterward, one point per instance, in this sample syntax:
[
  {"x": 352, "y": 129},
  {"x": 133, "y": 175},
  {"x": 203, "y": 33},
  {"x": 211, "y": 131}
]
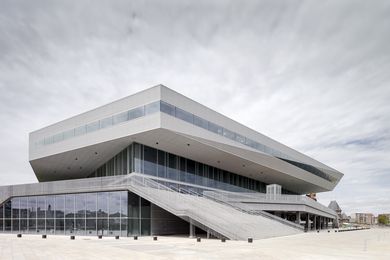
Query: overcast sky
[{"x": 314, "y": 75}]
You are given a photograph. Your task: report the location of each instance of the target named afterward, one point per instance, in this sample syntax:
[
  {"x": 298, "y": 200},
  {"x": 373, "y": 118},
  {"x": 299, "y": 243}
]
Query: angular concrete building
[{"x": 159, "y": 163}]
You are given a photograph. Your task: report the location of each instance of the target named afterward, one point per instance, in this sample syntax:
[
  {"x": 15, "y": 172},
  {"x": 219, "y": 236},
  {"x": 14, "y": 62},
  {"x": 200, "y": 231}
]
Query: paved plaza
[{"x": 364, "y": 244}]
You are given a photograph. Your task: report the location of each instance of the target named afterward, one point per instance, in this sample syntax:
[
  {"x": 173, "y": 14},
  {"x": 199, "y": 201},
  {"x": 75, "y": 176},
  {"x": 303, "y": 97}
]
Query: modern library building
[{"x": 159, "y": 163}]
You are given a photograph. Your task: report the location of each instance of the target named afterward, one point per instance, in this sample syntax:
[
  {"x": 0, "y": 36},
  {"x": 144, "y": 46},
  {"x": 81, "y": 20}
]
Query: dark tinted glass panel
[
  {"x": 91, "y": 226},
  {"x": 114, "y": 226},
  {"x": 60, "y": 206},
  {"x": 145, "y": 227},
  {"x": 69, "y": 206},
  {"x": 102, "y": 205},
  {"x": 70, "y": 226},
  {"x": 32, "y": 207},
  {"x": 23, "y": 207},
  {"x": 41, "y": 226},
  {"x": 80, "y": 226},
  {"x": 60, "y": 226},
  {"x": 201, "y": 122},
  {"x": 80, "y": 205},
  {"x": 167, "y": 108},
  {"x": 215, "y": 128},
  {"x": 91, "y": 205},
  {"x": 15, "y": 202},
  {"x": 134, "y": 226},
  {"x": 41, "y": 206},
  {"x": 7, "y": 225},
  {"x": 32, "y": 225},
  {"x": 133, "y": 205},
  {"x": 124, "y": 209},
  {"x": 50, "y": 226},
  {"x": 229, "y": 134},
  {"x": 50, "y": 202},
  {"x": 124, "y": 226},
  {"x": 161, "y": 164},
  {"x": 115, "y": 204},
  {"x": 23, "y": 225},
  {"x": 1, "y": 212},
  {"x": 8, "y": 209},
  {"x": 15, "y": 225},
  {"x": 184, "y": 115},
  {"x": 145, "y": 208},
  {"x": 102, "y": 226},
  {"x": 150, "y": 160}
]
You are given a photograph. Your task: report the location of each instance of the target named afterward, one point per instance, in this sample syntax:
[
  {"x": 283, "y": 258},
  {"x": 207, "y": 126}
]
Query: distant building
[
  {"x": 345, "y": 218},
  {"x": 363, "y": 218},
  {"x": 333, "y": 205}
]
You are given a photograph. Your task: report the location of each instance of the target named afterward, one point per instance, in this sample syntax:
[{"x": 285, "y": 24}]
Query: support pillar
[
  {"x": 315, "y": 222},
  {"x": 192, "y": 229},
  {"x": 298, "y": 217}
]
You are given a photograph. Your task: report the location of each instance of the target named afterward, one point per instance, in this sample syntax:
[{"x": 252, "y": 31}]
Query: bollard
[
  {"x": 318, "y": 231},
  {"x": 250, "y": 240},
  {"x": 19, "y": 235},
  {"x": 155, "y": 238},
  {"x": 72, "y": 237},
  {"x": 135, "y": 238},
  {"x": 223, "y": 240},
  {"x": 100, "y": 236},
  {"x": 328, "y": 231},
  {"x": 116, "y": 237},
  {"x": 44, "y": 236},
  {"x": 198, "y": 239}
]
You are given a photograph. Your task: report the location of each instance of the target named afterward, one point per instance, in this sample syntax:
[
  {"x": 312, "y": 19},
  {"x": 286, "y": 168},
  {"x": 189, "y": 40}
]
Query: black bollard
[
  {"x": 72, "y": 237},
  {"x": 19, "y": 235},
  {"x": 116, "y": 237},
  {"x": 223, "y": 240},
  {"x": 198, "y": 239},
  {"x": 44, "y": 236},
  {"x": 135, "y": 238},
  {"x": 100, "y": 236},
  {"x": 250, "y": 240},
  {"x": 155, "y": 238}
]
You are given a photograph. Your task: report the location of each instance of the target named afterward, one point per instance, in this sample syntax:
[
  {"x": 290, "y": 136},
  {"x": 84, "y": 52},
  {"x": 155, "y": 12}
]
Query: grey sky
[{"x": 313, "y": 75}]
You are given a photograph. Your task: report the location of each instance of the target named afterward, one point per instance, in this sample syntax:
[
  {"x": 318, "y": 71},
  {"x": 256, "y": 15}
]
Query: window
[
  {"x": 167, "y": 108},
  {"x": 68, "y": 134},
  {"x": 215, "y": 128},
  {"x": 201, "y": 122},
  {"x": 184, "y": 115},
  {"x": 119, "y": 118},
  {"x": 81, "y": 130},
  {"x": 106, "y": 122},
  {"x": 136, "y": 112},
  {"x": 152, "y": 108},
  {"x": 94, "y": 126},
  {"x": 229, "y": 134}
]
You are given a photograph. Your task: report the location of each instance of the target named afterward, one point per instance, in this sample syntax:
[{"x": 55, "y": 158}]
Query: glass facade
[
  {"x": 161, "y": 106},
  {"x": 154, "y": 162},
  {"x": 99, "y": 213}
]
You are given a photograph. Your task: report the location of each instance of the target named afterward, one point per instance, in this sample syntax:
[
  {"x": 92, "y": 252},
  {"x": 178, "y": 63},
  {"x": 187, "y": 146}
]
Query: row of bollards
[{"x": 198, "y": 239}]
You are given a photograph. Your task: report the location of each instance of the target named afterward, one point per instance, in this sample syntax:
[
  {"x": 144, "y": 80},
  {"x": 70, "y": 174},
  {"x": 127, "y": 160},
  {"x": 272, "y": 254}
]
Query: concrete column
[
  {"x": 298, "y": 217},
  {"x": 192, "y": 229},
  {"x": 315, "y": 222},
  {"x": 307, "y": 221}
]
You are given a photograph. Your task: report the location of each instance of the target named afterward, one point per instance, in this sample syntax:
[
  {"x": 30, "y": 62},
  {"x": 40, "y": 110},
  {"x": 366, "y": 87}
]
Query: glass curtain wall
[
  {"x": 144, "y": 159},
  {"x": 100, "y": 213}
]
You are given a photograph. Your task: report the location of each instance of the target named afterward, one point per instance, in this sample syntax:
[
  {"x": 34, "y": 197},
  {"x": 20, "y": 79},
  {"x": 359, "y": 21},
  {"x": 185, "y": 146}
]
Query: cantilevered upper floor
[{"x": 166, "y": 120}]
